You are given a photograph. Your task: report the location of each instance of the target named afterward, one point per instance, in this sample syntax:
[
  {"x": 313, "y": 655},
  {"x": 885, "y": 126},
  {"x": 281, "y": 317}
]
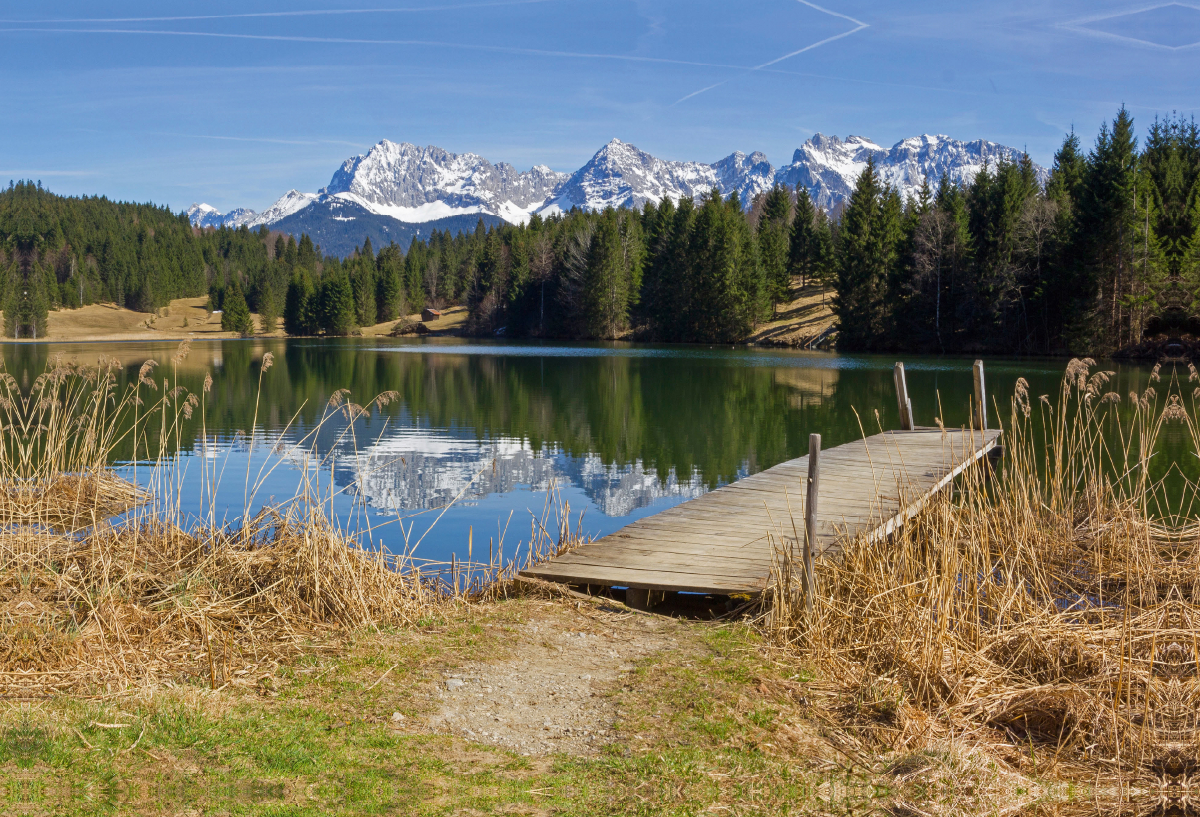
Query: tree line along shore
[{"x": 1103, "y": 257}]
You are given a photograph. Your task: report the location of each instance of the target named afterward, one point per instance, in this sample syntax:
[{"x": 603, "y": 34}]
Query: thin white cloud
[
  {"x": 499, "y": 49},
  {"x": 250, "y": 15},
  {"x": 833, "y": 13},
  {"x": 859, "y": 26},
  {"x": 1083, "y": 26}
]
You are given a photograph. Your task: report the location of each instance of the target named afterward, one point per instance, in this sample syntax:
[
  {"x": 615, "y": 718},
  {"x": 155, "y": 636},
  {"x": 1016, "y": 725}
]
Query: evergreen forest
[{"x": 1102, "y": 257}]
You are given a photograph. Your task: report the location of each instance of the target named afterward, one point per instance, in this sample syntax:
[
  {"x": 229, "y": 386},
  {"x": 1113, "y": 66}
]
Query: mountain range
[{"x": 400, "y": 191}]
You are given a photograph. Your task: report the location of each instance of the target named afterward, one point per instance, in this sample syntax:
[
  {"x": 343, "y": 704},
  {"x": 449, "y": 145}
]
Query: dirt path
[{"x": 551, "y": 695}]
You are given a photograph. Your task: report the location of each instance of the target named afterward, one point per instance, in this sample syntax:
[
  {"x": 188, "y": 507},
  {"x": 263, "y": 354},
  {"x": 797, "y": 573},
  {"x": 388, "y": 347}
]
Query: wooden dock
[{"x": 718, "y": 542}]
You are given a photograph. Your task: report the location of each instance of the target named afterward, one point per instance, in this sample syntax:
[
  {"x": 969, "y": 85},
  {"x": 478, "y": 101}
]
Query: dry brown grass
[
  {"x": 88, "y": 603},
  {"x": 1045, "y": 617},
  {"x": 805, "y": 316},
  {"x": 183, "y": 318}
]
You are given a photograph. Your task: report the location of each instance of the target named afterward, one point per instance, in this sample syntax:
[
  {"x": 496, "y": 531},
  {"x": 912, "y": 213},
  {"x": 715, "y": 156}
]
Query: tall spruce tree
[
  {"x": 1107, "y": 229},
  {"x": 268, "y": 312},
  {"x": 773, "y": 245},
  {"x": 728, "y": 296},
  {"x": 810, "y": 247},
  {"x": 1064, "y": 291},
  {"x": 297, "y": 311},
  {"x": 864, "y": 266},
  {"x": 362, "y": 276},
  {"x": 607, "y": 283},
  {"x": 336, "y": 310},
  {"x": 389, "y": 298},
  {"x": 671, "y": 272},
  {"x": 235, "y": 312}
]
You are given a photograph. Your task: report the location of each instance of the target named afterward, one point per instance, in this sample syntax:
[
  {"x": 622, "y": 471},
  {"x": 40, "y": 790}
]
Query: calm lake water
[{"x": 622, "y": 431}]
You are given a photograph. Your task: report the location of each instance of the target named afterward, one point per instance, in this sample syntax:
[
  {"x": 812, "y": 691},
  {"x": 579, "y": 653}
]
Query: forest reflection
[{"x": 626, "y": 425}]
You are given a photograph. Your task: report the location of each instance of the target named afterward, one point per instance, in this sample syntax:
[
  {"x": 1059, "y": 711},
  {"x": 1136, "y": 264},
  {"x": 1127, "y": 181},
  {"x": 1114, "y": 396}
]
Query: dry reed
[
  {"x": 1045, "y": 615},
  {"x": 89, "y": 603}
]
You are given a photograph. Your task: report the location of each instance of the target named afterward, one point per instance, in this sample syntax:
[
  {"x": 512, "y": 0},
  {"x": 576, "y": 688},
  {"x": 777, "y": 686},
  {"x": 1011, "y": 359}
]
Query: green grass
[{"x": 703, "y": 728}]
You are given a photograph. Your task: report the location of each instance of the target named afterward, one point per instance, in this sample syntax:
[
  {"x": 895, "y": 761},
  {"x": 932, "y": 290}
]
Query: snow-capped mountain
[
  {"x": 204, "y": 215},
  {"x": 339, "y": 225},
  {"x": 419, "y": 185},
  {"x": 290, "y": 202},
  {"x": 416, "y": 184},
  {"x": 828, "y": 167},
  {"x": 620, "y": 175}
]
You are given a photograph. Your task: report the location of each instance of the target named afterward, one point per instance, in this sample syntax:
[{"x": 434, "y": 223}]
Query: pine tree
[
  {"x": 924, "y": 199},
  {"x": 10, "y": 301},
  {"x": 864, "y": 265},
  {"x": 751, "y": 301},
  {"x": 804, "y": 249},
  {"x": 606, "y": 284},
  {"x": 297, "y": 312},
  {"x": 726, "y": 280},
  {"x": 390, "y": 291},
  {"x": 363, "y": 283},
  {"x": 1106, "y": 229},
  {"x": 773, "y": 245},
  {"x": 337, "y": 314},
  {"x": 306, "y": 254},
  {"x": 268, "y": 313},
  {"x": 235, "y": 313},
  {"x": 667, "y": 286}
]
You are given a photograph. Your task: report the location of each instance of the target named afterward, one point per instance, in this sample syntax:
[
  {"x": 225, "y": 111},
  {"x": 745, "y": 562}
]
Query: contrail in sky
[
  {"x": 859, "y": 26},
  {"x": 535, "y": 52},
  {"x": 309, "y": 13}
]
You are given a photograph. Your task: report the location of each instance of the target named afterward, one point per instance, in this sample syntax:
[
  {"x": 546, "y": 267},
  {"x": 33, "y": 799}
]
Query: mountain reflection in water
[{"x": 417, "y": 470}]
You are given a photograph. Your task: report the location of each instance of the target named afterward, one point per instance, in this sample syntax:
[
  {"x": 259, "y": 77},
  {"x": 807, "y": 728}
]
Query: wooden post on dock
[
  {"x": 902, "y": 401},
  {"x": 980, "y": 397},
  {"x": 810, "y": 517}
]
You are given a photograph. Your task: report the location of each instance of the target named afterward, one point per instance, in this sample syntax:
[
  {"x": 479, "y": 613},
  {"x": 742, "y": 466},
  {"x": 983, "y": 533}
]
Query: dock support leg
[
  {"x": 902, "y": 401},
  {"x": 641, "y": 599},
  {"x": 810, "y": 517},
  {"x": 980, "y": 397}
]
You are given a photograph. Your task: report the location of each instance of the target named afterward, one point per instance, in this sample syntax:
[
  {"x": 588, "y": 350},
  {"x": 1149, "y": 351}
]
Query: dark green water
[{"x": 622, "y": 431}]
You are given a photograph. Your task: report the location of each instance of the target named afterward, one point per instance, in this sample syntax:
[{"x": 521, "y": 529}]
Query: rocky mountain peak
[{"x": 416, "y": 185}]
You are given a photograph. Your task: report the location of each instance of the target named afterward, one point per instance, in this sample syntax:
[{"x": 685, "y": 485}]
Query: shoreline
[{"x": 805, "y": 318}]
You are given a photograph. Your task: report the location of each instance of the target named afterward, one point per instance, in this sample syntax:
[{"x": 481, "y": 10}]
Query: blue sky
[{"x": 234, "y": 103}]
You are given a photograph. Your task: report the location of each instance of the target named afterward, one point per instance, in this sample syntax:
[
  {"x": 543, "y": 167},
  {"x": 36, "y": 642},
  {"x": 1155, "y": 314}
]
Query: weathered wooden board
[{"x": 718, "y": 542}]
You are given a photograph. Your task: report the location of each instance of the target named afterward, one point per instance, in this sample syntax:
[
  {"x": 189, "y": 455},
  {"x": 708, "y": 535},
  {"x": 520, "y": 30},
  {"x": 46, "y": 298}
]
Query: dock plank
[{"x": 718, "y": 542}]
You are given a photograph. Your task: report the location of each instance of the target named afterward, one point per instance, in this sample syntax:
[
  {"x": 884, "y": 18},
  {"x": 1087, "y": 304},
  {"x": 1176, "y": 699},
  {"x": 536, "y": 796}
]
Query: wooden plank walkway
[{"x": 717, "y": 543}]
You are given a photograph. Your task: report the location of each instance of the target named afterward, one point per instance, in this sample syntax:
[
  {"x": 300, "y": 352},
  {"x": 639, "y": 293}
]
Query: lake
[{"x": 620, "y": 431}]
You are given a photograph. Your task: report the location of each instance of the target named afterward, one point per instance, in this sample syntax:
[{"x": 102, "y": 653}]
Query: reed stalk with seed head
[
  {"x": 88, "y": 600},
  {"x": 1046, "y": 614}
]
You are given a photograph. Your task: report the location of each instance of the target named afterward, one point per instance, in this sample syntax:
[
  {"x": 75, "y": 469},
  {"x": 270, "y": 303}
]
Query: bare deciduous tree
[
  {"x": 929, "y": 252},
  {"x": 541, "y": 266}
]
